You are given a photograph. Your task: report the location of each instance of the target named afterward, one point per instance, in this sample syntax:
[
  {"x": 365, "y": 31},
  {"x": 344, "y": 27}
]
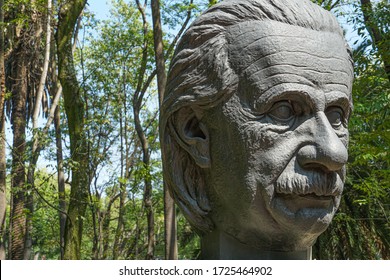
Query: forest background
[{"x": 80, "y": 167}]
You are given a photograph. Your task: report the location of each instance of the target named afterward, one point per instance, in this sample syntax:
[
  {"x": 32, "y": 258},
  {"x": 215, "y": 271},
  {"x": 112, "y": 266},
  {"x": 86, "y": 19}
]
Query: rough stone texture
[{"x": 254, "y": 127}]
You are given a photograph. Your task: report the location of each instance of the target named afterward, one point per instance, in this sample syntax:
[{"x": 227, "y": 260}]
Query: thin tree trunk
[
  {"x": 35, "y": 153},
  {"x": 119, "y": 228},
  {"x": 2, "y": 68},
  {"x": 42, "y": 80},
  {"x": 148, "y": 185},
  {"x": 106, "y": 219},
  {"x": 74, "y": 108},
  {"x": 137, "y": 103},
  {"x": 122, "y": 187},
  {"x": 3, "y": 174},
  {"x": 60, "y": 179},
  {"x": 3, "y": 200},
  {"x": 56, "y": 91},
  {"x": 97, "y": 217},
  {"x": 159, "y": 50},
  {"x": 169, "y": 205},
  {"x": 126, "y": 162}
]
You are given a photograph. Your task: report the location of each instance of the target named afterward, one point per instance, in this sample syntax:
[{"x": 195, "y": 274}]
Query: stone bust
[{"x": 254, "y": 127}]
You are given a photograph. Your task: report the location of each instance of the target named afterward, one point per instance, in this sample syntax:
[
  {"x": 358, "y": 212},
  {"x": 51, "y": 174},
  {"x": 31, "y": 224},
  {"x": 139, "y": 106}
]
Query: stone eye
[
  {"x": 282, "y": 111},
  {"x": 335, "y": 116}
]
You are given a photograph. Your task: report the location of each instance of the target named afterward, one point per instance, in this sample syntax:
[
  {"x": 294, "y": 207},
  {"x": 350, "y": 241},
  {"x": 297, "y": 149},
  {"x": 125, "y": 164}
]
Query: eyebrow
[
  {"x": 277, "y": 92},
  {"x": 339, "y": 98},
  {"x": 336, "y": 95}
]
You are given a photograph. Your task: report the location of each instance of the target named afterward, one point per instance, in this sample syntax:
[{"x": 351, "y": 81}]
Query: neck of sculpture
[{"x": 219, "y": 246}]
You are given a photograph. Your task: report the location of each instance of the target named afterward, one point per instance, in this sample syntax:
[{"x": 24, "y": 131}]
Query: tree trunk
[
  {"x": 169, "y": 205},
  {"x": 106, "y": 220},
  {"x": 56, "y": 92},
  {"x": 147, "y": 179},
  {"x": 29, "y": 214},
  {"x": 376, "y": 35},
  {"x": 3, "y": 174},
  {"x": 3, "y": 200},
  {"x": 119, "y": 228},
  {"x": 42, "y": 80},
  {"x": 60, "y": 180},
  {"x": 159, "y": 50},
  {"x": 35, "y": 150},
  {"x": 74, "y": 108},
  {"x": 137, "y": 104},
  {"x": 2, "y": 68},
  {"x": 147, "y": 183},
  {"x": 122, "y": 186},
  {"x": 18, "y": 119}
]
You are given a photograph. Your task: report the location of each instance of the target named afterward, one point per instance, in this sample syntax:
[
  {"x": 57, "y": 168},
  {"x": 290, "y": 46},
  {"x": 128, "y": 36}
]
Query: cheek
[
  {"x": 232, "y": 165},
  {"x": 268, "y": 151},
  {"x": 229, "y": 159},
  {"x": 263, "y": 142},
  {"x": 257, "y": 136}
]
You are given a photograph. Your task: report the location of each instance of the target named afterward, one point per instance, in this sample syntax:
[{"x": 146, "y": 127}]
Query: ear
[{"x": 192, "y": 135}]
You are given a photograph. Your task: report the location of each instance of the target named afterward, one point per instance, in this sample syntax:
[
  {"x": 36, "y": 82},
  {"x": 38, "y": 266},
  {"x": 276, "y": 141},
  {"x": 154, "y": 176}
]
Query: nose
[{"x": 326, "y": 151}]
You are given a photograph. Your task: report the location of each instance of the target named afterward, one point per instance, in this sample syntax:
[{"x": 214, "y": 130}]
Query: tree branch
[{"x": 42, "y": 81}]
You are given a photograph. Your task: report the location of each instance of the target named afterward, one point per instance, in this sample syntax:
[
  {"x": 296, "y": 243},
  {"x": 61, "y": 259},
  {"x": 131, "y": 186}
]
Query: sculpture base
[{"x": 219, "y": 246}]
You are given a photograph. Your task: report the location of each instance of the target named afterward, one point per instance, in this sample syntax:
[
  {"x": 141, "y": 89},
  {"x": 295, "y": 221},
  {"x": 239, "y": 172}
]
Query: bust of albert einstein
[{"x": 254, "y": 127}]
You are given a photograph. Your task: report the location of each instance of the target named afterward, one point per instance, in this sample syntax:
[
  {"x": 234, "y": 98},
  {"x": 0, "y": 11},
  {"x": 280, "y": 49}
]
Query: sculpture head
[{"x": 254, "y": 122}]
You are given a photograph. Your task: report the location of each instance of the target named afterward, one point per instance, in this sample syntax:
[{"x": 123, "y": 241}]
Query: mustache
[{"x": 320, "y": 184}]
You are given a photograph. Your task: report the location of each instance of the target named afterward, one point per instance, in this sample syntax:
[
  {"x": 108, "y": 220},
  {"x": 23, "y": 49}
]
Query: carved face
[{"x": 278, "y": 146}]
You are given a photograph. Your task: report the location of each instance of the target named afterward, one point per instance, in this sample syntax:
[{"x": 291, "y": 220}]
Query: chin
[
  {"x": 302, "y": 218},
  {"x": 283, "y": 227}
]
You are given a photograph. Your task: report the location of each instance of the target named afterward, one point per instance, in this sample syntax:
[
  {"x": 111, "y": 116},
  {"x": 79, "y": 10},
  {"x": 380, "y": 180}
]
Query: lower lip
[{"x": 295, "y": 203}]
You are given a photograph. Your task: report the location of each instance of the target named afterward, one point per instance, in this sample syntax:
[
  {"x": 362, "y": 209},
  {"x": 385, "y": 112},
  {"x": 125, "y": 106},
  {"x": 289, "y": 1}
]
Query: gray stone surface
[{"x": 254, "y": 127}]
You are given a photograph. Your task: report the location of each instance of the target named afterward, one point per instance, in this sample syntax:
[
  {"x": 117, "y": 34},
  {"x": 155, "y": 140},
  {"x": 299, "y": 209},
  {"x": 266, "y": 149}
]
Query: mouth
[
  {"x": 294, "y": 203},
  {"x": 303, "y": 217},
  {"x": 304, "y": 210},
  {"x": 305, "y": 203}
]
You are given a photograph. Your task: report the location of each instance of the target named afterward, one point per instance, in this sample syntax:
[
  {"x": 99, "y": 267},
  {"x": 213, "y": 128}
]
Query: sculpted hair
[{"x": 200, "y": 77}]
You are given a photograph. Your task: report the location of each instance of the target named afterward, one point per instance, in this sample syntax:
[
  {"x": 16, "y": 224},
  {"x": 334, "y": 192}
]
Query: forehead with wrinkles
[{"x": 270, "y": 53}]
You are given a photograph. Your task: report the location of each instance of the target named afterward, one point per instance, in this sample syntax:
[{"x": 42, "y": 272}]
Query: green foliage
[
  {"x": 212, "y": 2},
  {"x": 45, "y": 234},
  {"x": 18, "y": 12},
  {"x": 113, "y": 145},
  {"x": 328, "y": 4},
  {"x": 188, "y": 240},
  {"x": 174, "y": 12}
]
